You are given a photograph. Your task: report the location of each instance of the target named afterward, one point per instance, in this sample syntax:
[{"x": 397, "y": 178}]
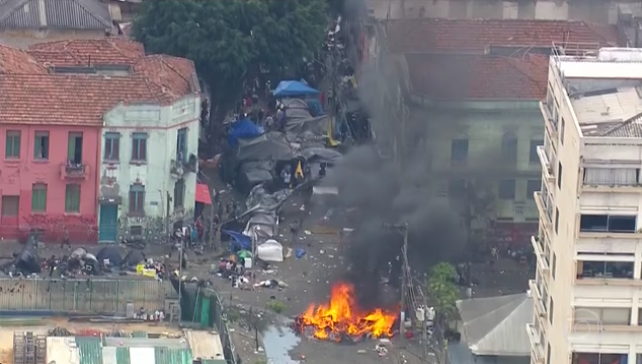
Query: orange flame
[{"x": 343, "y": 316}]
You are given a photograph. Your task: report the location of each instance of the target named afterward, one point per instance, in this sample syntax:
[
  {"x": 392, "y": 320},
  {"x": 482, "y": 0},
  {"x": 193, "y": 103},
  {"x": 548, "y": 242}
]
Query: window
[
  {"x": 563, "y": 126},
  {"x": 74, "y": 148},
  {"x": 41, "y": 145},
  {"x": 509, "y": 147},
  {"x": 181, "y": 145},
  {"x": 592, "y": 316},
  {"x": 557, "y": 219},
  {"x": 599, "y": 358},
  {"x": 554, "y": 265},
  {"x": 532, "y": 186},
  {"x": 137, "y": 200},
  {"x": 559, "y": 175},
  {"x": 12, "y": 146},
  {"x": 611, "y": 176},
  {"x": 139, "y": 147},
  {"x": 603, "y": 268},
  {"x": 72, "y": 198},
  {"x": 112, "y": 144},
  {"x": 607, "y": 223},
  {"x": 179, "y": 194},
  {"x": 39, "y": 197},
  {"x": 533, "y": 157},
  {"x": 507, "y": 189},
  {"x": 10, "y": 206},
  {"x": 551, "y": 311},
  {"x": 459, "y": 150}
]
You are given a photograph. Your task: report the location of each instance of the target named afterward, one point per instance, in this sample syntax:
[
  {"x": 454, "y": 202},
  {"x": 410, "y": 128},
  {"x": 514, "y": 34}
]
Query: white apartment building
[{"x": 588, "y": 289}]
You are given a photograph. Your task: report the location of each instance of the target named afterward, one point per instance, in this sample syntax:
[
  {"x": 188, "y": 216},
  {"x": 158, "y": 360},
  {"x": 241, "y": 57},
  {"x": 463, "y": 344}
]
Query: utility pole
[
  {"x": 468, "y": 219},
  {"x": 404, "y": 280},
  {"x": 167, "y": 215},
  {"x": 424, "y": 327},
  {"x": 212, "y": 214}
]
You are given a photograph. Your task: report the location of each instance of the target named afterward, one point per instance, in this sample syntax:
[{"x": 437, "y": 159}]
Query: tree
[
  {"x": 231, "y": 40},
  {"x": 443, "y": 290}
]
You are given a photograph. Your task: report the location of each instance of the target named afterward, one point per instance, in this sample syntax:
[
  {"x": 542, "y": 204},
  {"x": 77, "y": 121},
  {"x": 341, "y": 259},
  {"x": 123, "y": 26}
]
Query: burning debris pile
[{"x": 342, "y": 319}]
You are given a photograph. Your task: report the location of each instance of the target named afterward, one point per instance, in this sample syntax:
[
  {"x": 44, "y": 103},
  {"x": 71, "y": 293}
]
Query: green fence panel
[
  {"x": 90, "y": 350},
  {"x": 122, "y": 356}
]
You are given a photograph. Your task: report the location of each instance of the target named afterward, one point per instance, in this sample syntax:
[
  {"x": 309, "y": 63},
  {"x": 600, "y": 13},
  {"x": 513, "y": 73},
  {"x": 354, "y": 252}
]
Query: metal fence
[
  {"x": 89, "y": 296},
  {"x": 204, "y": 306}
]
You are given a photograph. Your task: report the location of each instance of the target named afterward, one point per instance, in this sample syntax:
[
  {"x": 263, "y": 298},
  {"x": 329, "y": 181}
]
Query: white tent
[{"x": 497, "y": 325}]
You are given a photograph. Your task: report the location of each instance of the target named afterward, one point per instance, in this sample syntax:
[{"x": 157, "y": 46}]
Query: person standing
[{"x": 65, "y": 239}]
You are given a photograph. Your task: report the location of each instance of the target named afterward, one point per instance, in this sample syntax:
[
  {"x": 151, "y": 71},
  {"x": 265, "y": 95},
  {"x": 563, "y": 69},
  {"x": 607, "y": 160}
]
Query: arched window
[{"x": 509, "y": 146}]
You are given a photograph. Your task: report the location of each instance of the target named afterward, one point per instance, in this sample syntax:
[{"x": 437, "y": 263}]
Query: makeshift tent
[
  {"x": 293, "y": 88},
  {"x": 111, "y": 254},
  {"x": 495, "y": 326},
  {"x": 270, "y": 251},
  {"x": 243, "y": 129},
  {"x": 253, "y": 173},
  {"x": 272, "y": 146},
  {"x": 239, "y": 241}
]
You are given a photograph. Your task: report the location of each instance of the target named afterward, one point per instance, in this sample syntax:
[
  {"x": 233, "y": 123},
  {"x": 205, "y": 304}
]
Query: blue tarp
[
  {"x": 243, "y": 129},
  {"x": 239, "y": 241},
  {"x": 293, "y": 88}
]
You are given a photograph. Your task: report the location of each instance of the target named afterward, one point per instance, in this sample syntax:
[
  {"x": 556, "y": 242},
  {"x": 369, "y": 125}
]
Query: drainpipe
[{"x": 98, "y": 180}]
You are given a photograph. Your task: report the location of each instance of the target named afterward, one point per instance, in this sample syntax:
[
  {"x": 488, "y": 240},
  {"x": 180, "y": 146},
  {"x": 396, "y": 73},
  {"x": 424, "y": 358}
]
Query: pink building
[{"x": 53, "y": 101}]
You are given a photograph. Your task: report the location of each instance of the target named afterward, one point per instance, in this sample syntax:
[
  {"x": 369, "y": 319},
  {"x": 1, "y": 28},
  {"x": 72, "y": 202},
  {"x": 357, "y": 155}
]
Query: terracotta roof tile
[
  {"x": 13, "y": 60},
  {"x": 475, "y": 77},
  {"x": 30, "y": 94},
  {"x": 473, "y": 36},
  {"x": 80, "y": 52},
  {"x": 170, "y": 73},
  {"x": 68, "y": 99}
]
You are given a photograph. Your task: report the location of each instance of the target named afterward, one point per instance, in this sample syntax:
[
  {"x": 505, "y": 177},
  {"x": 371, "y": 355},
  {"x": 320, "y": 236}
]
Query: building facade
[
  {"x": 587, "y": 291},
  {"x": 149, "y": 156}
]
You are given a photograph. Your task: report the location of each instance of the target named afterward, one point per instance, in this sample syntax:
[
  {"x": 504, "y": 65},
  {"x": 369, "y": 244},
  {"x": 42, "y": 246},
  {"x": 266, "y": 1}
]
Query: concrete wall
[
  {"x": 161, "y": 125},
  {"x": 17, "y": 176},
  {"x": 592, "y": 10}
]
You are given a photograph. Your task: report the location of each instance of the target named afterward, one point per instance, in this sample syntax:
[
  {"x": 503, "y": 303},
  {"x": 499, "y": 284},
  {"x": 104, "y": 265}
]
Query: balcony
[
  {"x": 550, "y": 119},
  {"x": 605, "y": 273},
  {"x": 73, "y": 171},
  {"x": 594, "y": 226},
  {"x": 536, "y": 347},
  {"x": 540, "y": 253},
  {"x": 538, "y": 299},
  {"x": 544, "y": 209},
  {"x": 624, "y": 180},
  {"x": 598, "y": 320},
  {"x": 547, "y": 168}
]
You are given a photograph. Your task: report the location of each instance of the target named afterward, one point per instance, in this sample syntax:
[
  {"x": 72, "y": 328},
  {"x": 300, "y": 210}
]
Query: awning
[{"x": 203, "y": 194}]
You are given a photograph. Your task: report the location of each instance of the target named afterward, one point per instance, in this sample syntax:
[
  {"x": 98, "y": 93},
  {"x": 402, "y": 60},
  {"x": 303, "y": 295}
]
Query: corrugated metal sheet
[
  {"x": 60, "y": 14},
  {"x": 90, "y": 349},
  {"x": 132, "y": 342},
  {"x": 62, "y": 350},
  {"x": 109, "y": 355},
  {"x": 205, "y": 345},
  {"x": 122, "y": 356},
  {"x": 139, "y": 334},
  {"x": 141, "y": 355},
  {"x": 172, "y": 356},
  {"x": 102, "y": 295}
]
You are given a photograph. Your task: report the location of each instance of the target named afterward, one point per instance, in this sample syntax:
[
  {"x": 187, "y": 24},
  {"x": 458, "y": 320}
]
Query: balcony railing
[
  {"x": 549, "y": 116},
  {"x": 537, "y": 348},
  {"x": 539, "y": 250},
  {"x": 547, "y": 168},
  {"x": 73, "y": 171},
  {"x": 544, "y": 208}
]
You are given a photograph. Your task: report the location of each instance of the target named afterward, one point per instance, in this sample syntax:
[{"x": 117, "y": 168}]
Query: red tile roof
[
  {"x": 29, "y": 94},
  {"x": 68, "y": 99},
  {"x": 82, "y": 52},
  {"x": 13, "y": 60},
  {"x": 473, "y": 36},
  {"x": 474, "y": 77}
]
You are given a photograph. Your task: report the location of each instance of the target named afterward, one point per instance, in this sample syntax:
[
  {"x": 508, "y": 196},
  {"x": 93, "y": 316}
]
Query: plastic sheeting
[
  {"x": 270, "y": 251},
  {"x": 269, "y": 146},
  {"x": 239, "y": 241},
  {"x": 293, "y": 88},
  {"x": 243, "y": 129},
  {"x": 262, "y": 210},
  {"x": 320, "y": 155},
  {"x": 112, "y": 254}
]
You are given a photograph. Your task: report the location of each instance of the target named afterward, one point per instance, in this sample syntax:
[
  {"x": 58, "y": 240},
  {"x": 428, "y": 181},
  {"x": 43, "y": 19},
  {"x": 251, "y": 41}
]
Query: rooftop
[
  {"x": 57, "y": 14},
  {"x": 474, "y": 77},
  {"x": 477, "y": 36},
  {"x": 52, "y": 84},
  {"x": 605, "y": 90}
]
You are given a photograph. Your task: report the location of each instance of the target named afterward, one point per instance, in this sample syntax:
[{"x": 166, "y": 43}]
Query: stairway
[{"x": 18, "y": 348}]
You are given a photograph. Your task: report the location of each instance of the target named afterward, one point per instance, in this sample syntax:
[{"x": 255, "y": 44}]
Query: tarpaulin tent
[
  {"x": 239, "y": 241},
  {"x": 243, "y": 129},
  {"x": 293, "y": 88}
]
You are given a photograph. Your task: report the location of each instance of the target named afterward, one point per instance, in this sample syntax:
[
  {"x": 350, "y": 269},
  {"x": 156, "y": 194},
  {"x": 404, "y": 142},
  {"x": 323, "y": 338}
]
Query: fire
[{"x": 342, "y": 316}]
